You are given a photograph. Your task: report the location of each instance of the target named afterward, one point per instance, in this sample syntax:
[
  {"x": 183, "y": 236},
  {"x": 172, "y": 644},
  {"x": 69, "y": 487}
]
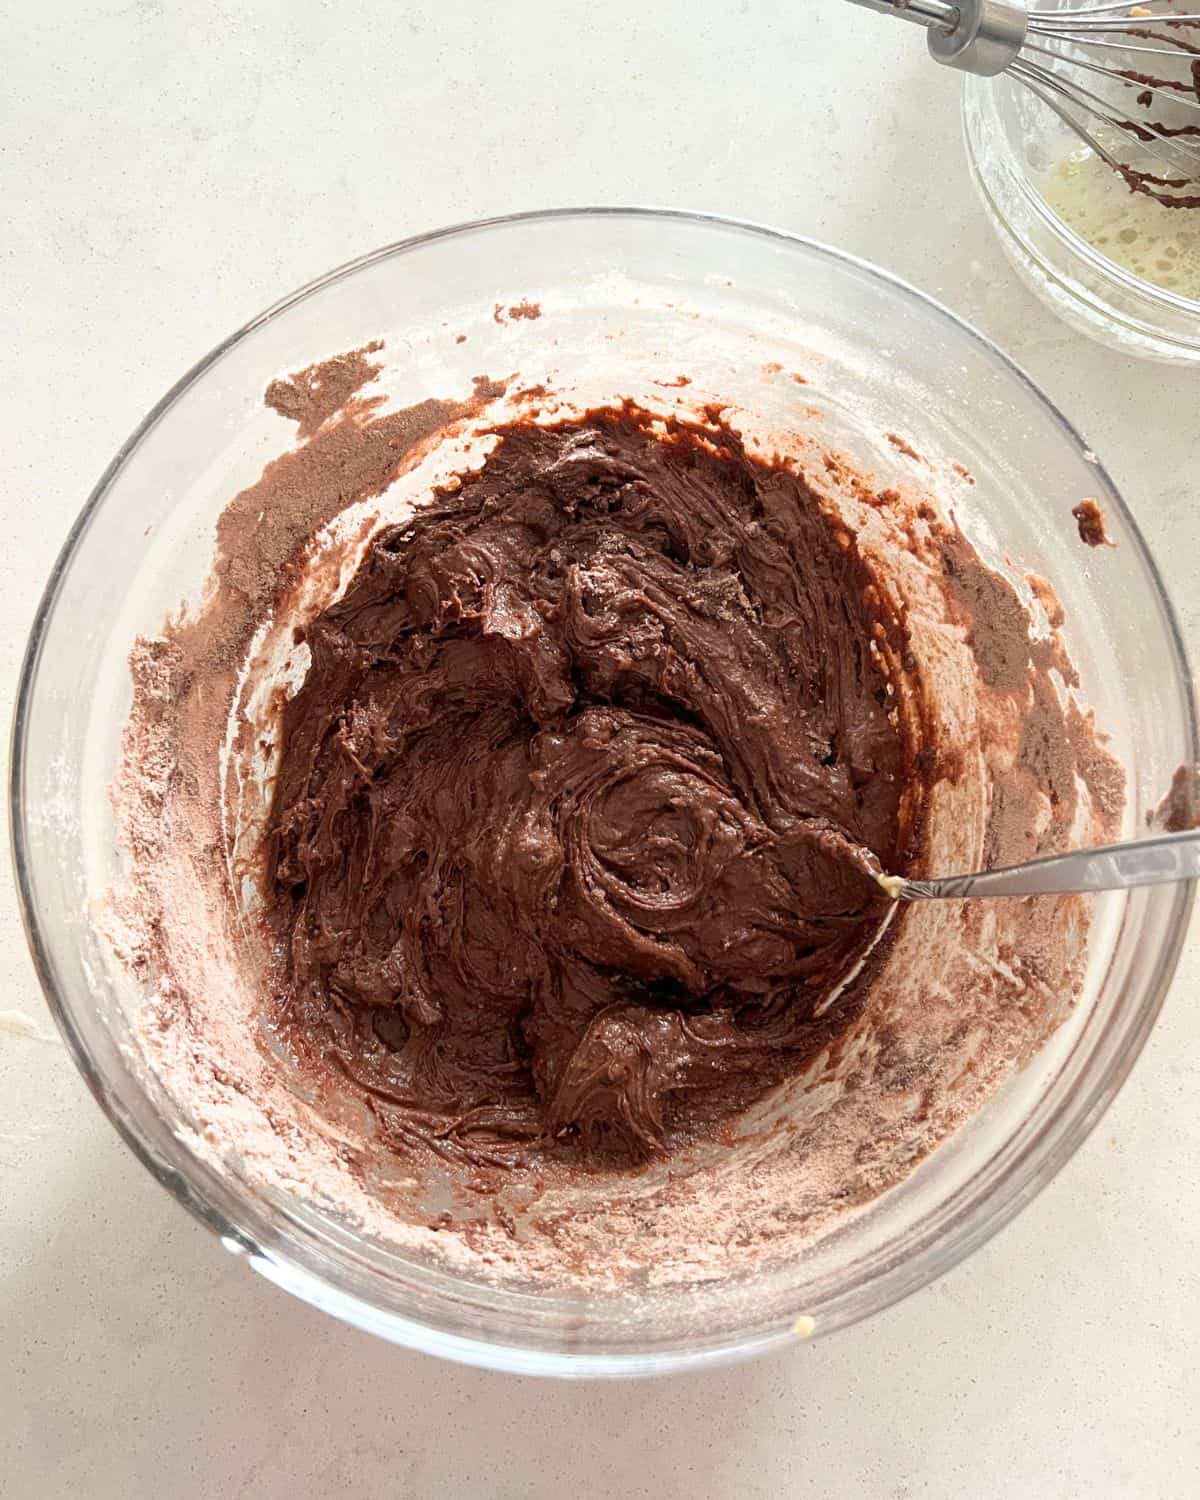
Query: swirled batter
[
  {"x": 580, "y": 797},
  {"x": 499, "y": 823}
]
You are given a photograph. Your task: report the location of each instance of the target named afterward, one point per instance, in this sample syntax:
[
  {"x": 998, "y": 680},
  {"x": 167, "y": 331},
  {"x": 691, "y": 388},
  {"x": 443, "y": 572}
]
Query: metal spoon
[{"x": 1154, "y": 861}]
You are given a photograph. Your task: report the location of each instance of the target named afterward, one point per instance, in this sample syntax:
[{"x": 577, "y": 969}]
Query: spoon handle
[{"x": 1153, "y": 861}]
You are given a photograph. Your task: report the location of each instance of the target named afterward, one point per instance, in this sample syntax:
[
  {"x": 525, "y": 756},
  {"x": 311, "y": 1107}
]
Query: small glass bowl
[
  {"x": 678, "y": 290},
  {"x": 1013, "y": 142}
]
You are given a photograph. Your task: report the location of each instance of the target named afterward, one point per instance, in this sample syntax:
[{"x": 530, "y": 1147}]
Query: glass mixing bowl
[
  {"x": 1014, "y": 141},
  {"x": 873, "y": 351}
]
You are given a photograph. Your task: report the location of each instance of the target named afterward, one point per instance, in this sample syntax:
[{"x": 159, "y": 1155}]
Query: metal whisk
[{"x": 1064, "y": 56}]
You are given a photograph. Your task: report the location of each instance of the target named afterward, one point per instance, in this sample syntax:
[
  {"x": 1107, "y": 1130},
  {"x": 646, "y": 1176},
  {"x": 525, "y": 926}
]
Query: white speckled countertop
[{"x": 166, "y": 172}]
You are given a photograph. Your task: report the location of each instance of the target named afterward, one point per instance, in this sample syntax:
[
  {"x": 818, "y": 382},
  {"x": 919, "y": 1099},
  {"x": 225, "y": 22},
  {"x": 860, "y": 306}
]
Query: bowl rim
[
  {"x": 982, "y": 91},
  {"x": 937, "y": 1249}
]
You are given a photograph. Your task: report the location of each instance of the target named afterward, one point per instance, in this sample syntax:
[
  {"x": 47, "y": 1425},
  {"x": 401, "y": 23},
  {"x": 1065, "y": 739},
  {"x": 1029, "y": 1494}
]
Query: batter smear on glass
[{"x": 580, "y": 798}]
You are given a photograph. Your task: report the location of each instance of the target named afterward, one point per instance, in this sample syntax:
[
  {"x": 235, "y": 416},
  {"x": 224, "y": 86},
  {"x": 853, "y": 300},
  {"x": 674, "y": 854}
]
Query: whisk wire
[
  {"x": 1171, "y": 149},
  {"x": 1117, "y": 76},
  {"x": 1121, "y": 8},
  {"x": 1044, "y": 86},
  {"x": 1106, "y": 7},
  {"x": 1079, "y": 41},
  {"x": 1072, "y": 21}
]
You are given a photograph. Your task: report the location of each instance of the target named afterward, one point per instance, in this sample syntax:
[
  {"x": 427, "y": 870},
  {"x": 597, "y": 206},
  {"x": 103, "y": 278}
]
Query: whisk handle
[
  {"x": 924, "y": 12},
  {"x": 978, "y": 36}
]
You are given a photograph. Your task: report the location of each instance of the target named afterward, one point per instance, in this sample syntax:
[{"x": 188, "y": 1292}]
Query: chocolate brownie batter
[
  {"x": 1180, "y": 808},
  {"x": 1089, "y": 517},
  {"x": 581, "y": 796},
  {"x": 499, "y": 826}
]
